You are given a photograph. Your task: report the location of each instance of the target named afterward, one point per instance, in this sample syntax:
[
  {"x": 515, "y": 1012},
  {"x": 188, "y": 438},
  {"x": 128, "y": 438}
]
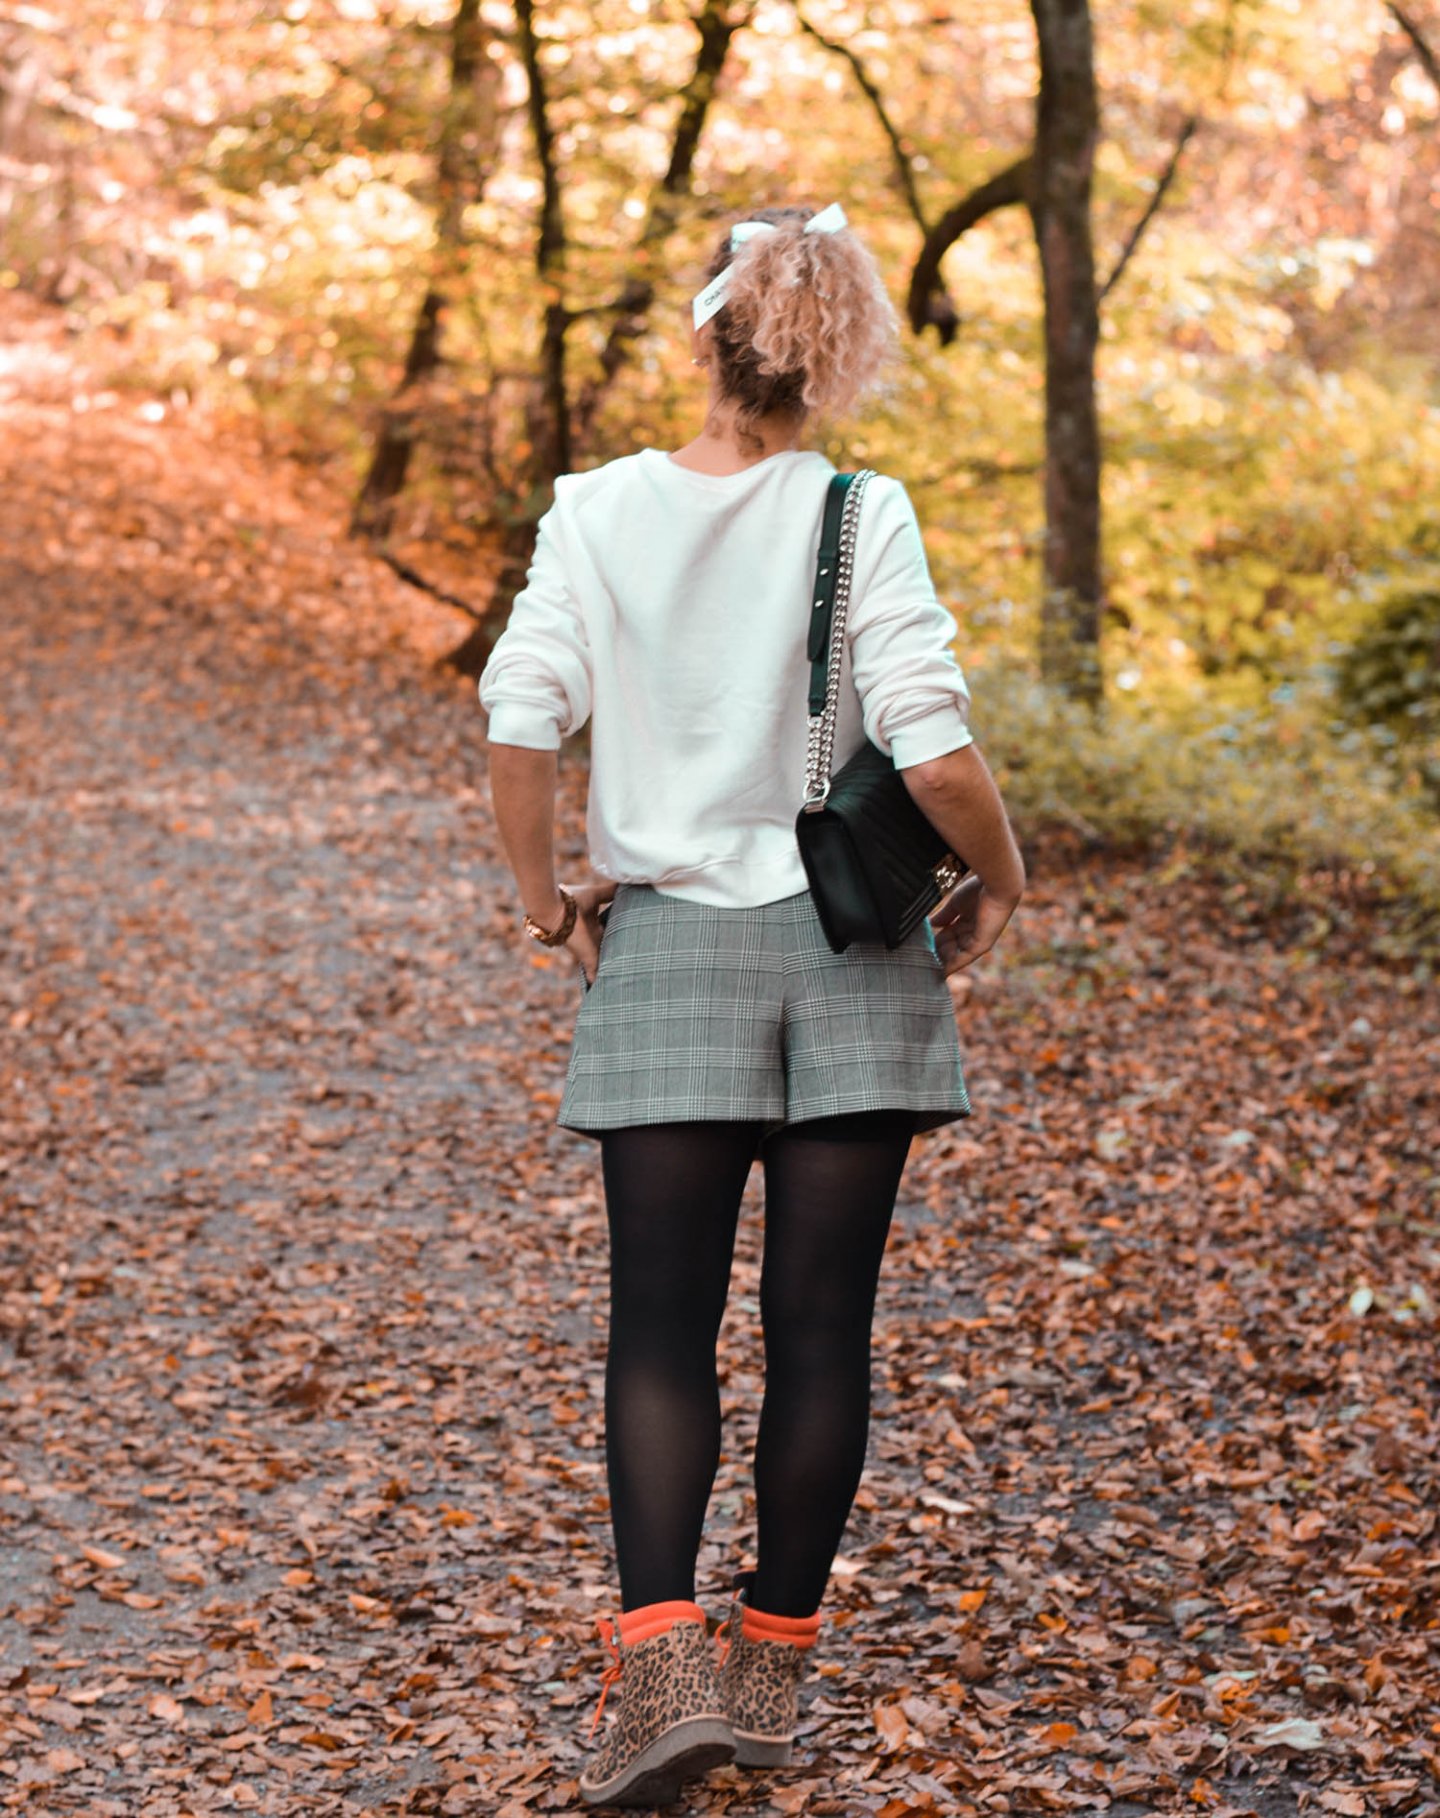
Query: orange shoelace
[
  {"x": 727, "y": 1629},
  {"x": 612, "y": 1672}
]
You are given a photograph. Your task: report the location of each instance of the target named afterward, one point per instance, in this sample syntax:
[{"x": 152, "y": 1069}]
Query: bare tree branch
[
  {"x": 1152, "y": 208},
  {"x": 904, "y": 168},
  {"x": 717, "y": 24},
  {"x": 414, "y": 578},
  {"x": 1424, "y": 50},
  {"x": 927, "y": 305},
  {"x": 942, "y": 312}
]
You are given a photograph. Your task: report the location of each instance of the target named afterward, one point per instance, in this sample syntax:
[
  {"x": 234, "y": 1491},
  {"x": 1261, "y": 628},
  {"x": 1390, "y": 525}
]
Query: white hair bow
[{"x": 712, "y": 299}]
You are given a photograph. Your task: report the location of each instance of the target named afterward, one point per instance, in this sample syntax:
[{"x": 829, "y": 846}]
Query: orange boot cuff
[
  {"x": 654, "y": 1618},
  {"x": 759, "y": 1625}
]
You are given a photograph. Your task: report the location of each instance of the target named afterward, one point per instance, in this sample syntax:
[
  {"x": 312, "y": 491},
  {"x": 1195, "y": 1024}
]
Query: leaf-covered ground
[{"x": 302, "y": 1311}]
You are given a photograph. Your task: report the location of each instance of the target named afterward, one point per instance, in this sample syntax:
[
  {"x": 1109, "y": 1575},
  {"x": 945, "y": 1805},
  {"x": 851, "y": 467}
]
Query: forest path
[{"x": 303, "y": 1293}]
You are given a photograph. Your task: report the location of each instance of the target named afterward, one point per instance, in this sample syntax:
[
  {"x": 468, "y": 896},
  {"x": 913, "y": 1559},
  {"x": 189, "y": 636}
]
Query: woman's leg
[
  {"x": 830, "y": 1188},
  {"x": 672, "y": 1194}
]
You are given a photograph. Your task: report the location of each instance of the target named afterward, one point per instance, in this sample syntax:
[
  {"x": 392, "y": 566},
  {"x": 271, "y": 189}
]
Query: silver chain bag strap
[{"x": 876, "y": 866}]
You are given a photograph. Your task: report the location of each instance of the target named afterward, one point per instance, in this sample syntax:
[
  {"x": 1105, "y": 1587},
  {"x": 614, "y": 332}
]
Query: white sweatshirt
[{"x": 671, "y": 608}]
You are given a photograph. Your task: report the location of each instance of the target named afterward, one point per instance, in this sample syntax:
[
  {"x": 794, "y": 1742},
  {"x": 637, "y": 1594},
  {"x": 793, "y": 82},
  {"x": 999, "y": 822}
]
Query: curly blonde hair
[{"x": 807, "y": 323}]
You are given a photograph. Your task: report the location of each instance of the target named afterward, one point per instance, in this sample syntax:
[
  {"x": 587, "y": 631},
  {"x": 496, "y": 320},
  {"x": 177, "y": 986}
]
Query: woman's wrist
[
  {"x": 554, "y": 927},
  {"x": 548, "y": 911}
]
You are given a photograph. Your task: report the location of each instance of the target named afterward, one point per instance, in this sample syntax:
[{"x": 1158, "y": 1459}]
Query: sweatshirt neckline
[{"x": 724, "y": 479}]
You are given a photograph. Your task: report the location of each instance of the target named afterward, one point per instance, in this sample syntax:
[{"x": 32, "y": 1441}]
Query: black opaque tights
[{"x": 673, "y": 1198}]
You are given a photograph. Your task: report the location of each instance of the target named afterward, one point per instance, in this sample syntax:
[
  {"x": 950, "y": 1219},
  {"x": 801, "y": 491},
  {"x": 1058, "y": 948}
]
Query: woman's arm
[
  {"x": 522, "y": 790},
  {"x": 957, "y": 795}
]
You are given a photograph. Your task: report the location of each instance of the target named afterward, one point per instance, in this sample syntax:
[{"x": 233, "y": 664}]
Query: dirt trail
[{"x": 302, "y": 1304}]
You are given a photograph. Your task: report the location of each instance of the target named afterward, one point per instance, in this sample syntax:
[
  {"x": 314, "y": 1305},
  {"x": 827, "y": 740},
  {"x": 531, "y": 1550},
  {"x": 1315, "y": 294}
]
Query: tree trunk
[
  {"x": 467, "y": 142},
  {"x": 549, "y": 422},
  {"x": 1067, "y": 125},
  {"x": 19, "y": 84}
]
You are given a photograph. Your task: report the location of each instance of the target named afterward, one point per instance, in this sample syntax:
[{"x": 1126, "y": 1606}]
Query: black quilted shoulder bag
[{"x": 875, "y": 864}]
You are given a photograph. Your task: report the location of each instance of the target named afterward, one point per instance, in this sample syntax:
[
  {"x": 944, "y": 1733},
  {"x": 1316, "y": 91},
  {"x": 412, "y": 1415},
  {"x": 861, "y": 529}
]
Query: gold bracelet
[{"x": 554, "y": 937}]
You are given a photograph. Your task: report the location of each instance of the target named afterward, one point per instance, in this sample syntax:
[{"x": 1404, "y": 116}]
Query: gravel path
[{"x": 302, "y": 1305}]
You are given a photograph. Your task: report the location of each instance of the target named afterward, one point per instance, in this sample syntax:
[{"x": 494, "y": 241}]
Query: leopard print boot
[
  {"x": 670, "y": 1725},
  {"x": 762, "y": 1661}
]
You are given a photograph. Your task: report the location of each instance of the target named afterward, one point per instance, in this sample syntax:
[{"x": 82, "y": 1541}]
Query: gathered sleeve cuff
[
  {"x": 940, "y": 731},
  {"x": 537, "y": 686},
  {"x": 914, "y": 698},
  {"x": 532, "y": 724}
]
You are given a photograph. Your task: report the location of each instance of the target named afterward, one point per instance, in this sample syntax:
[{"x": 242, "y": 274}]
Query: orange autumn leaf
[
  {"x": 891, "y": 1723},
  {"x": 108, "y": 1562}
]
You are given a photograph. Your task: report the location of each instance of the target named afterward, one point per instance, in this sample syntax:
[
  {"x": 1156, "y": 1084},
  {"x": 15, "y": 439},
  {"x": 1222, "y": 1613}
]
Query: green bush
[
  {"x": 1278, "y": 790},
  {"x": 1390, "y": 679}
]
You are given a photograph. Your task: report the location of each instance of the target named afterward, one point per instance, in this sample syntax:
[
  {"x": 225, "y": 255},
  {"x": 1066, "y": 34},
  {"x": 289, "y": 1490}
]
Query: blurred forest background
[{"x": 443, "y": 249}]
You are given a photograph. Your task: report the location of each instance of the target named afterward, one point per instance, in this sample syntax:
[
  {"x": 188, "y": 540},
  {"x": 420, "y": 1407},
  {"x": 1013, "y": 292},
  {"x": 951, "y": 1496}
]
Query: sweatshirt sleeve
[
  {"x": 913, "y": 695},
  {"x": 536, "y": 687}
]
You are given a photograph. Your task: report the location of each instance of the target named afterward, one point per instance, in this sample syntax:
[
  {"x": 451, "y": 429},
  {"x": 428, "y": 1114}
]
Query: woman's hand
[
  {"x": 968, "y": 923},
  {"x": 584, "y": 941}
]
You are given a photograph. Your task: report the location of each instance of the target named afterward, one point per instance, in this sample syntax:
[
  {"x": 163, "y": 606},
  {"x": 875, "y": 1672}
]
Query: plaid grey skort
[{"x": 701, "y": 1012}]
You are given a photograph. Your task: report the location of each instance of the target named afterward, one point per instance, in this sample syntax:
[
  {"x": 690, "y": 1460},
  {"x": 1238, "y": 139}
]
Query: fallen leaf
[{"x": 1292, "y": 1733}]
